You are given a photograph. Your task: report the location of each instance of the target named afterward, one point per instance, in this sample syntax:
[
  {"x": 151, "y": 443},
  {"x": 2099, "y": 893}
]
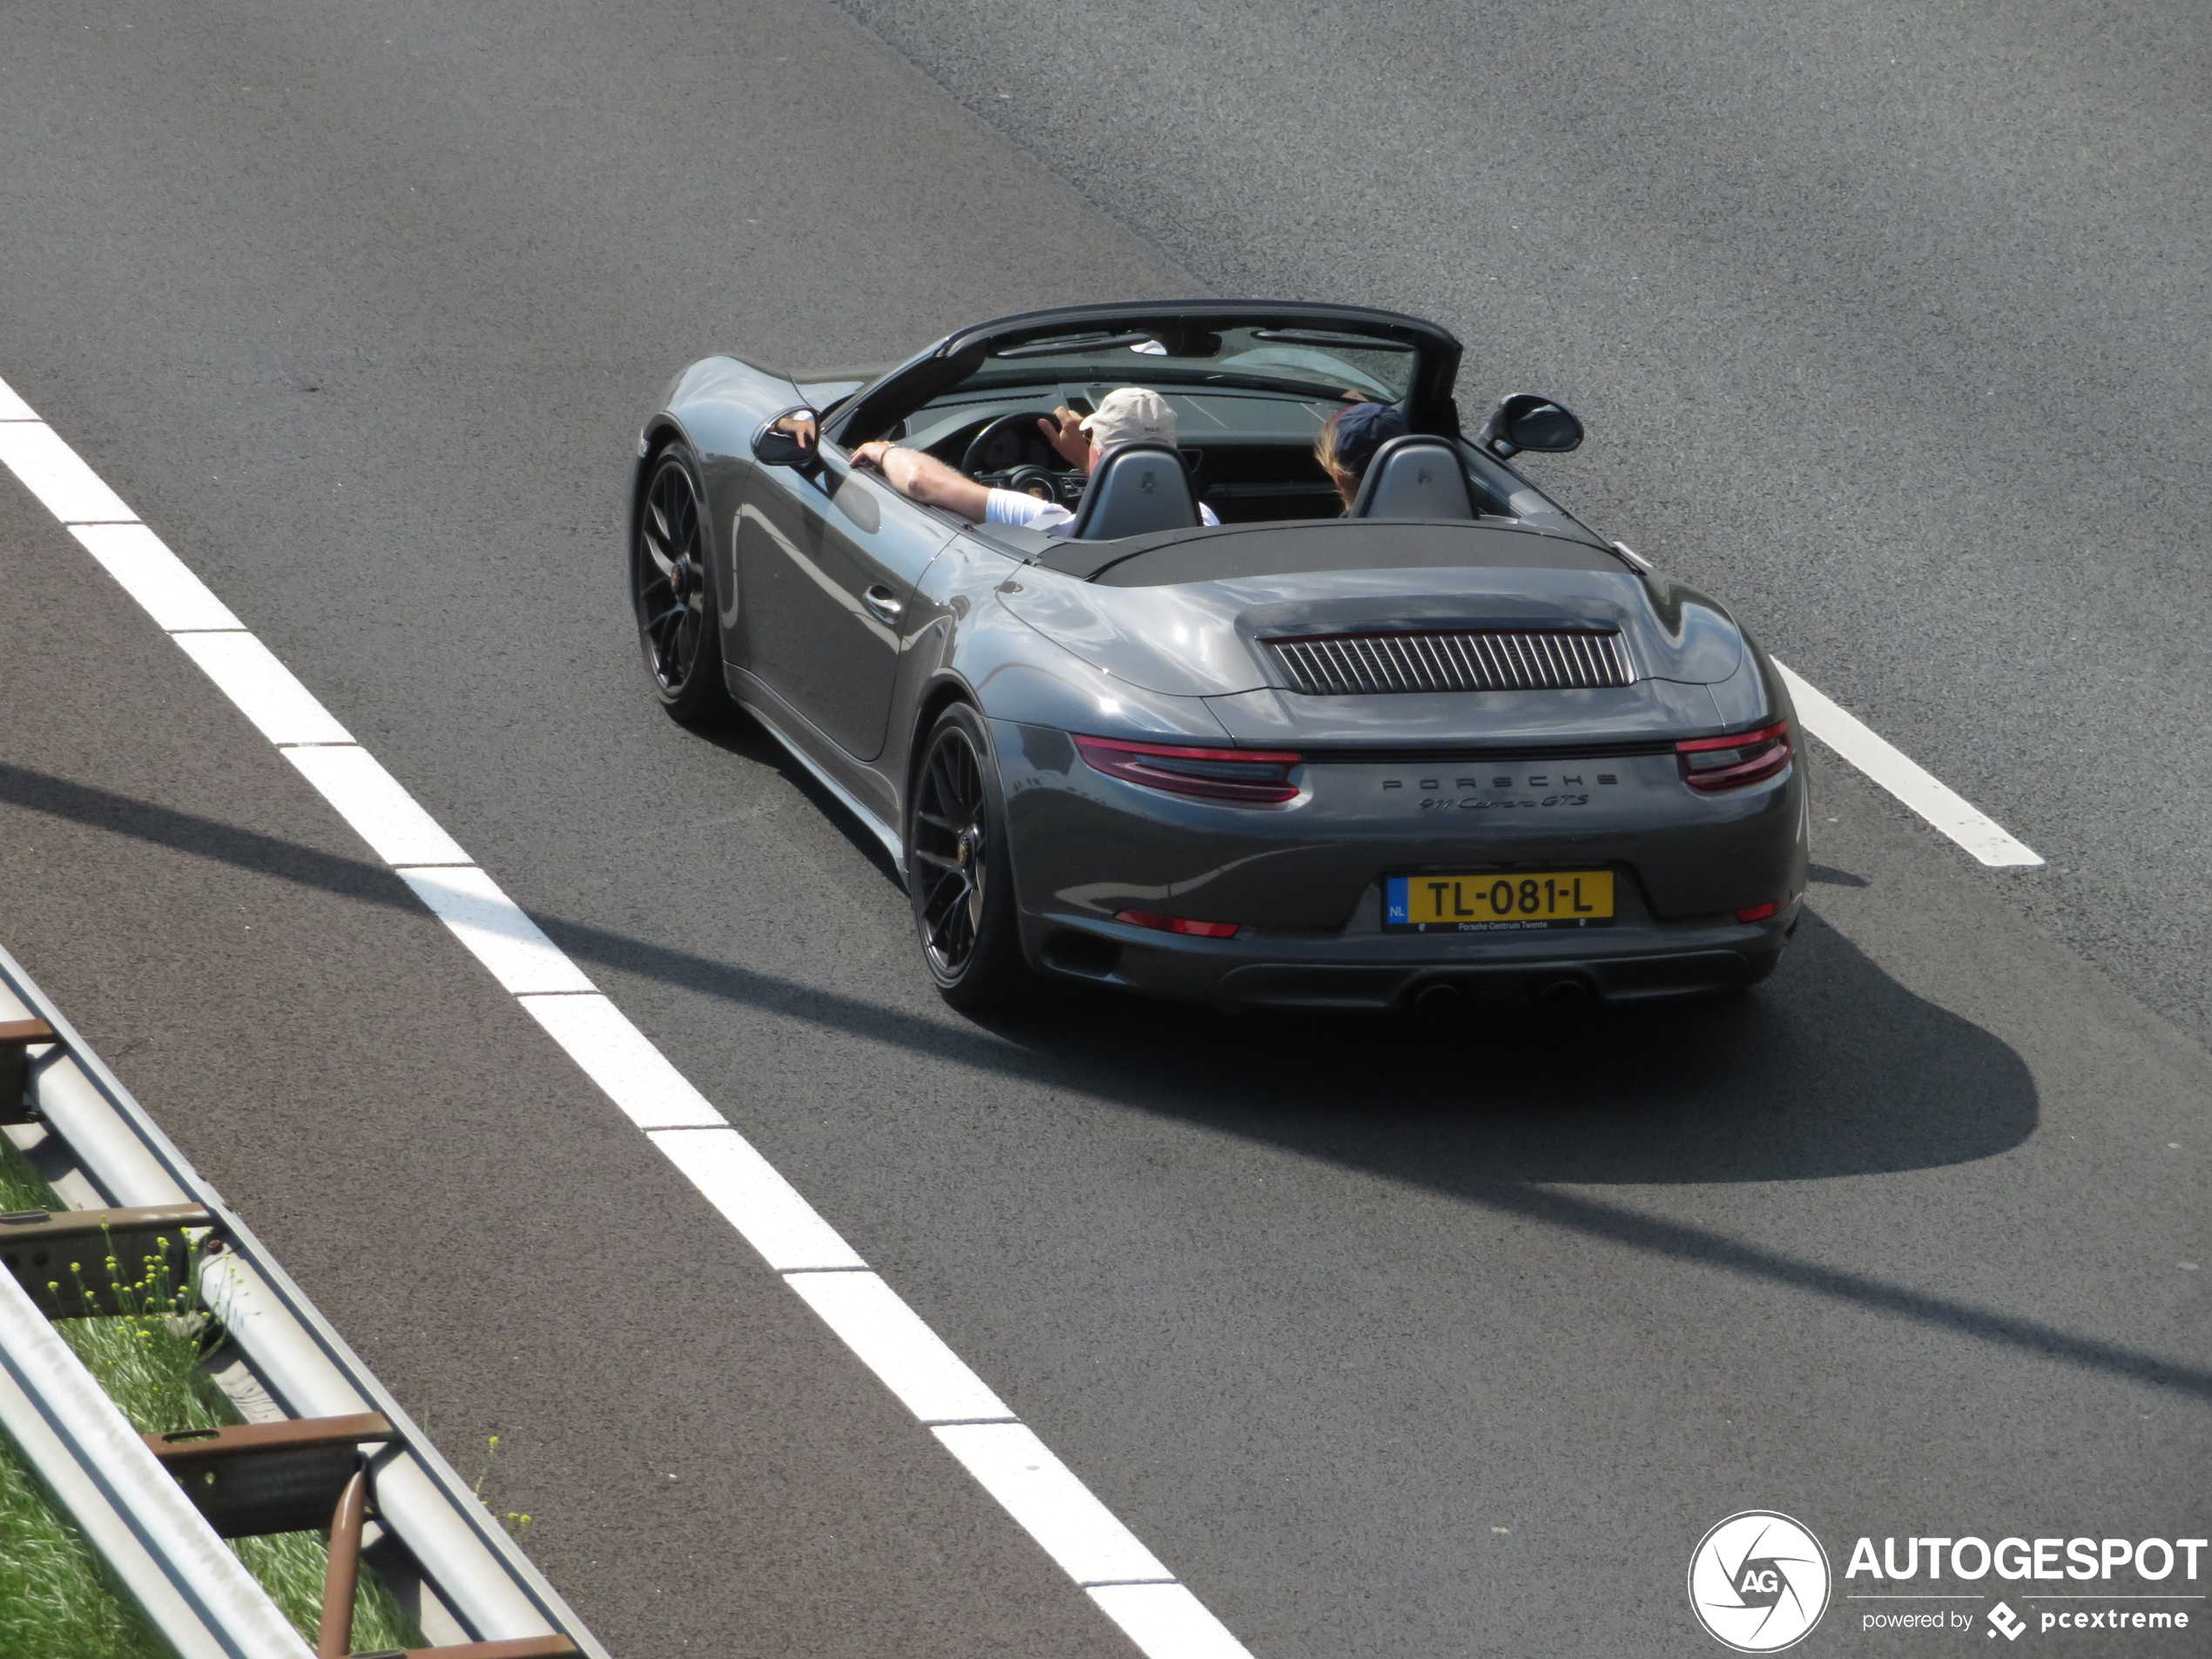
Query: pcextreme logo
[{"x": 1758, "y": 1582}]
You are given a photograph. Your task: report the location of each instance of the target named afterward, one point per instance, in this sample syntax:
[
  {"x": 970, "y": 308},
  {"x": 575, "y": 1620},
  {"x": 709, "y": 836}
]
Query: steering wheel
[
  {"x": 1011, "y": 441},
  {"x": 1040, "y": 481}
]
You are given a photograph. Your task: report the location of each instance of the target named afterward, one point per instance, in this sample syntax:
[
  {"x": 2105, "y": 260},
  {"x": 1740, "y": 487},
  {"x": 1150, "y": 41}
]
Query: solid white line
[
  {"x": 263, "y": 688},
  {"x": 1059, "y": 1511},
  {"x": 154, "y": 577},
  {"x": 496, "y": 931},
  {"x": 13, "y": 408},
  {"x": 1168, "y": 1621},
  {"x": 929, "y": 1379},
  {"x": 789, "y": 1232},
  {"x": 373, "y": 801},
  {"x": 50, "y": 470},
  {"x": 1905, "y": 778},
  {"x": 617, "y": 1056}
]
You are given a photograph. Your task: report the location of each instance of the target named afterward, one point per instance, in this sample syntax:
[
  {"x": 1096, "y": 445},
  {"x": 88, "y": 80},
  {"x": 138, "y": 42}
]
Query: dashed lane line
[
  {"x": 1905, "y": 777},
  {"x": 1123, "y": 1579}
]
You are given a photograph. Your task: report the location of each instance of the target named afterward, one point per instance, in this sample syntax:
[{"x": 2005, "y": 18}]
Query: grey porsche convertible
[{"x": 1447, "y": 747}]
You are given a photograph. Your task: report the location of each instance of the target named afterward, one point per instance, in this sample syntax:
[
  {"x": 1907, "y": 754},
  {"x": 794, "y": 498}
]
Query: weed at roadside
[{"x": 56, "y": 1600}]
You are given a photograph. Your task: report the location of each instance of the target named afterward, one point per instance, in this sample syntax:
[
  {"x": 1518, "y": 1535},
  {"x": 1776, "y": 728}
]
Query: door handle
[{"x": 882, "y": 603}]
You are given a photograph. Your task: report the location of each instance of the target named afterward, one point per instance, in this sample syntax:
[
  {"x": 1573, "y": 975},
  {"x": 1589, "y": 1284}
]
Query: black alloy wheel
[
  {"x": 957, "y": 870},
  {"x": 673, "y": 590}
]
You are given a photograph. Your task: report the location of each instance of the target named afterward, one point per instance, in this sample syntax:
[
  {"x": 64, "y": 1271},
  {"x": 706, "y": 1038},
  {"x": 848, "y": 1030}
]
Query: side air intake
[{"x": 1552, "y": 660}]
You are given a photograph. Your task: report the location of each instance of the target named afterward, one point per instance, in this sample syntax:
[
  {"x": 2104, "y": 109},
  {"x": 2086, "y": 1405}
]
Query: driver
[{"x": 1131, "y": 414}]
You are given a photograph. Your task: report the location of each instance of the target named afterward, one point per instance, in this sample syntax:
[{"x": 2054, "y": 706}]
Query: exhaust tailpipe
[
  {"x": 1438, "y": 1002},
  {"x": 1563, "y": 996}
]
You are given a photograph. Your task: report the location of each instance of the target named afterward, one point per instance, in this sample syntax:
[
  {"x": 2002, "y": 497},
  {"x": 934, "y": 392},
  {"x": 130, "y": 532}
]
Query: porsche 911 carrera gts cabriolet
[{"x": 1447, "y": 748}]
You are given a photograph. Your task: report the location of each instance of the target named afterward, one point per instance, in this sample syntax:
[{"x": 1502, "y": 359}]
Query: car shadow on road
[
  {"x": 1832, "y": 1068},
  {"x": 745, "y": 738}
]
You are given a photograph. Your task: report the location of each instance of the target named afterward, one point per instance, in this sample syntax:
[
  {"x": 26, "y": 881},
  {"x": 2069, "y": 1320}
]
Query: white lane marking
[
  {"x": 1039, "y": 1492},
  {"x": 1057, "y": 1510},
  {"x": 373, "y": 801},
  {"x": 494, "y": 927},
  {"x": 1164, "y": 1619},
  {"x": 789, "y": 1232},
  {"x": 929, "y": 1379},
  {"x": 13, "y": 408},
  {"x": 154, "y": 577},
  {"x": 263, "y": 688},
  {"x": 50, "y": 470},
  {"x": 1910, "y": 782},
  {"x": 618, "y": 1057}
]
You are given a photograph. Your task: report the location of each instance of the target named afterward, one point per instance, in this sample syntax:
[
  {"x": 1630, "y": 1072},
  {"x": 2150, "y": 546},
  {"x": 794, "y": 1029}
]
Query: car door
[{"x": 827, "y": 560}]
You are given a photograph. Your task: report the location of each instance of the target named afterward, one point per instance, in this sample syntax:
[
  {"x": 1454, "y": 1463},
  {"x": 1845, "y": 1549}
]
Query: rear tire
[
  {"x": 959, "y": 876},
  {"x": 671, "y": 588}
]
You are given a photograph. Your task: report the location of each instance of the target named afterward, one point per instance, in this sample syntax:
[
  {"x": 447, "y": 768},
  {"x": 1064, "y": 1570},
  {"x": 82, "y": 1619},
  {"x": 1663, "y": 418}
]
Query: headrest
[
  {"x": 1415, "y": 476},
  {"x": 1138, "y": 487}
]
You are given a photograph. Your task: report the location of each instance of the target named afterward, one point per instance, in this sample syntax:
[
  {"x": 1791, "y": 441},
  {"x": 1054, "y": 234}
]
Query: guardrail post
[{"x": 17, "y": 1037}]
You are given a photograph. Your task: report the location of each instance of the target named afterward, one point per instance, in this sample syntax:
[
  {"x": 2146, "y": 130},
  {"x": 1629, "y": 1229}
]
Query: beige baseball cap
[{"x": 1131, "y": 414}]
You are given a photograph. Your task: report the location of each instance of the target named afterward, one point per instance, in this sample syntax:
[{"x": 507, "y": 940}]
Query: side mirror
[
  {"x": 775, "y": 445},
  {"x": 1524, "y": 420}
]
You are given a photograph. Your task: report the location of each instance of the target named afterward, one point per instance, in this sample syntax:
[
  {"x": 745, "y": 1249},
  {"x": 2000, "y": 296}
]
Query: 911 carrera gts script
[
  {"x": 1477, "y": 803},
  {"x": 1562, "y": 789}
]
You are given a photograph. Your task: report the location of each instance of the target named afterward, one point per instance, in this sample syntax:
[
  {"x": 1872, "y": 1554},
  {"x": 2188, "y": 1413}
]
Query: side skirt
[{"x": 893, "y": 843}]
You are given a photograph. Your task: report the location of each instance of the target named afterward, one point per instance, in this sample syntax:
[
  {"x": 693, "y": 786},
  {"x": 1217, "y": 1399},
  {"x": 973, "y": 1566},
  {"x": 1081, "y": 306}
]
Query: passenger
[
  {"x": 1131, "y": 414},
  {"x": 1348, "y": 443}
]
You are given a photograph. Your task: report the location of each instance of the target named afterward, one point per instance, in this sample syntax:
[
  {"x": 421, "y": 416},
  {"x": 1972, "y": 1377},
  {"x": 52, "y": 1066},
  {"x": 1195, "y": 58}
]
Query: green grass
[{"x": 56, "y": 1600}]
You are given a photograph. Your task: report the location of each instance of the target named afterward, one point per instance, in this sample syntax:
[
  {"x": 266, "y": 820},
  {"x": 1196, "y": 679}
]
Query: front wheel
[
  {"x": 958, "y": 873},
  {"x": 671, "y": 585}
]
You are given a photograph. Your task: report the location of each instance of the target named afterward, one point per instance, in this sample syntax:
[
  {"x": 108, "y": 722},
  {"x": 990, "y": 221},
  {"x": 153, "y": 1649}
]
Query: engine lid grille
[{"x": 1485, "y": 659}]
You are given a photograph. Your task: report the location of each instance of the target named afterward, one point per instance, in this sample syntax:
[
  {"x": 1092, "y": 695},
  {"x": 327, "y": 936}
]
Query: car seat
[
  {"x": 1415, "y": 476},
  {"x": 1138, "y": 487}
]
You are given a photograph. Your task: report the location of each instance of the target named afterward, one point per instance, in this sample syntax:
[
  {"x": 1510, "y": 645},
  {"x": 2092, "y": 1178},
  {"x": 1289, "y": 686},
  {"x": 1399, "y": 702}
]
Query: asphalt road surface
[{"x": 1889, "y": 327}]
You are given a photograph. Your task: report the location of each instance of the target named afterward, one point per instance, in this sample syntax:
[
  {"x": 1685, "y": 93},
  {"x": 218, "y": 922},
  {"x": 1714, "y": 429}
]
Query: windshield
[{"x": 1297, "y": 362}]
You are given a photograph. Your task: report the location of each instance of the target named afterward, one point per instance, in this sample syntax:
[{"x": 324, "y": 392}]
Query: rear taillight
[
  {"x": 1253, "y": 776},
  {"x": 1178, "y": 924},
  {"x": 1715, "y": 764}
]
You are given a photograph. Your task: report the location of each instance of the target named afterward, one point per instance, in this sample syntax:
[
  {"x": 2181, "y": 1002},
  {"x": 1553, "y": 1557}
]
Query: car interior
[{"x": 1249, "y": 401}]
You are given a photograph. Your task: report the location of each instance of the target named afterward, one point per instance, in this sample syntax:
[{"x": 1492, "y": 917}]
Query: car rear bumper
[
  {"x": 1304, "y": 881},
  {"x": 1372, "y": 971}
]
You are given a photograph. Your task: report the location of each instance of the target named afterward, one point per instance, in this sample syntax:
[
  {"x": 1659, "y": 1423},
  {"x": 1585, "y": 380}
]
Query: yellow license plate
[{"x": 1498, "y": 901}]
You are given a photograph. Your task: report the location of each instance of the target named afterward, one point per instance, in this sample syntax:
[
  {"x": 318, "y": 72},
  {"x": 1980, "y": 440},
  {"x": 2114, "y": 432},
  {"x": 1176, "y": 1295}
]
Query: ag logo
[{"x": 1758, "y": 1583}]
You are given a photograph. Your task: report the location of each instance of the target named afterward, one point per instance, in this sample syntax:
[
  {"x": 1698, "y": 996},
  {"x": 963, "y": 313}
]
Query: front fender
[{"x": 714, "y": 407}]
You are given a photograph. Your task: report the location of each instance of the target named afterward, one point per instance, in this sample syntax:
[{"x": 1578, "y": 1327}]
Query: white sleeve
[
  {"x": 1206, "y": 516},
  {"x": 1012, "y": 507}
]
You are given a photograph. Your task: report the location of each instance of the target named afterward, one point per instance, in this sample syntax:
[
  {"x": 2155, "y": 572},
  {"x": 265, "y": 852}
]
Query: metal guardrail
[
  {"x": 196, "y": 1592},
  {"x": 451, "y": 1566}
]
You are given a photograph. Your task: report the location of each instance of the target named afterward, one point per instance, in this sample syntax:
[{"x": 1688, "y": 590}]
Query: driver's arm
[{"x": 924, "y": 478}]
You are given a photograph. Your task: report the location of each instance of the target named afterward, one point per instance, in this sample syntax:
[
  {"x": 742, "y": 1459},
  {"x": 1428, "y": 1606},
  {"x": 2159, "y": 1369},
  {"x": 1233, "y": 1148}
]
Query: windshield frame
[{"x": 1427, "y": 403}]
